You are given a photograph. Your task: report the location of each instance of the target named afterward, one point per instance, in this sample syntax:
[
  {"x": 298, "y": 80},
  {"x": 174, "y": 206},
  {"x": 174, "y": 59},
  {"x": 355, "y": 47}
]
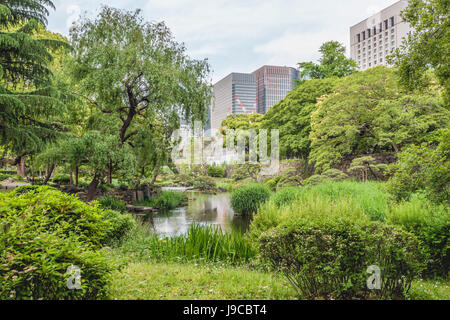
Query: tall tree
[
  {"x": 427, "y": 46},
  {"x": 292, "y": 116},
  {"x": 368, "y": 114},
  {"x": 333, "y": 63},
  {"x": 27, "y": 97},
  {"x": 135, "y": 74}
]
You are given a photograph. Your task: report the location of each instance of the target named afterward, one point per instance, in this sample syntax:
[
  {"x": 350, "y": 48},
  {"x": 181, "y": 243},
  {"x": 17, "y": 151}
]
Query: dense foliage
[
  {"x": 368, "y": 113},
  {"x": 247, "y": 199},
  {"x": 427, "y": 46},
  {"x": 329, "y": 258},
  {"x": 424, "y": 168},
  {"x": 44, "y": 232},
  {"x": 333, "y": 63}
]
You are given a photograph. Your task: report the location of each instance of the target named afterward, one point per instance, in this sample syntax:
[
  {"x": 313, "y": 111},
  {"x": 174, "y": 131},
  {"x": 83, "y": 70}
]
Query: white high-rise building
[{"x": 376, "y": 37}]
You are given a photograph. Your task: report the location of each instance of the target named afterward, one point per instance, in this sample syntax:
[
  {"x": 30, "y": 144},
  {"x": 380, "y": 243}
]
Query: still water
[{"x": 210, "y": 210}]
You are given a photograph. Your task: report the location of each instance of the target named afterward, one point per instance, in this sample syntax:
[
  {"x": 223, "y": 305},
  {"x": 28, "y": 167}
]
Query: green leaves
[
  {"x": 427, "y": 46},
  {"x": 333, "y": 63},
  {"x": 368, "y": 113}
]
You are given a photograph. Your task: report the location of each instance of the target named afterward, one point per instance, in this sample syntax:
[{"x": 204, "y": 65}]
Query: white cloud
[{"x": 241, "y": 35}]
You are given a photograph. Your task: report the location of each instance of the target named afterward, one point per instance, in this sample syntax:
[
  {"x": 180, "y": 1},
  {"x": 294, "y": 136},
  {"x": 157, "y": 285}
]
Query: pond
[{"x": 208, "y": 210}]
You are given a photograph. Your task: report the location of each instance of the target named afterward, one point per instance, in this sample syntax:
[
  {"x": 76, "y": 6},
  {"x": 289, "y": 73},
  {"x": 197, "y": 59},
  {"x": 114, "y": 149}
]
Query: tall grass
[
  {"x": 200, "y": 244},
  {"x": 369, "y": 196}
]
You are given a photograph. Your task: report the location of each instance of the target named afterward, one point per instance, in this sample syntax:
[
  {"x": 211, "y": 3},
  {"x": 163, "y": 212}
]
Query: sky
[{"x": 239, "y": 35}]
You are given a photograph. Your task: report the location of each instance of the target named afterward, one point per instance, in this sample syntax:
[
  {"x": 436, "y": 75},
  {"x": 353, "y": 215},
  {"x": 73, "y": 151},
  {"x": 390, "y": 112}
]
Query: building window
[
  {"x": 392, "y": 30},
  {"x": 386, "y": 26},
  {"x": 381, "y": 59},
  {"x": 370, "y": 64},
  {"x": 369, "y": 42},
  {"x": 375, "y": 62},
  {"x": 392, "y": 37},
  {"x": 364, "y": 35},
  {"x": 359, "y": 37},
  {"x": 368, "y": 33},
  {"x": 374, "y": 30},
  {"x": 381, "y": 27},
  {"x": 392, "y": 21},
  {"x": 393, "y": 43}
]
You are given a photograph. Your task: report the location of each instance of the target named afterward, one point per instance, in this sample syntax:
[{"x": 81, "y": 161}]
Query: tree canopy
[
  {"x": 292, "y": 116},
  {"x": 427, "y": 46},
  {"x": 27, "y": 96},
  {"x": 369, "y": 113},
  {"x": 333, "y": 63}
]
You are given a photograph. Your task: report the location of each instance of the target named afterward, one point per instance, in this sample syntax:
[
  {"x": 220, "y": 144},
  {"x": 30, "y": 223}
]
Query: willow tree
[
  {"x": 27, "y": 97},
  {"x": 135, "y": 73}
]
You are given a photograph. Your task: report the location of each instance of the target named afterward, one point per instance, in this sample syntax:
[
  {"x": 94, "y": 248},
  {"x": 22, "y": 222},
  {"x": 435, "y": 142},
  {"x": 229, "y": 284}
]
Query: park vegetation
[{"x": 365, "y": 157}]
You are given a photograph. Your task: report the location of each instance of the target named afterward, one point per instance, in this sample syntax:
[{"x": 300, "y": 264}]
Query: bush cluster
[
  {"x": 61, "y": 179},
  {"x": 44, "y": 231},
  {"x": 216, "y": 171},
  {"x": 247, "y": 200},
  {"x": 329, "y": 258}
]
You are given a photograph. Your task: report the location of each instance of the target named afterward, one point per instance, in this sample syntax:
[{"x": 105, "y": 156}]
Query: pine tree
[{"x": 27, "y": 98}]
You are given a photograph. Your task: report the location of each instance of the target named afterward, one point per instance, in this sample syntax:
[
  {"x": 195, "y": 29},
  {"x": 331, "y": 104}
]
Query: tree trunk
[
  {"x": 155, "y": 173},
  {"x": 71, "y": 179},
  {"x": 172, "y": 166},
  {"x": 92, "y": 191},
  {"x": 110, "y": 173},
  {"x": 21, "y": 166},
  {"x": 76, "y": 176},
  {"x": 49, "y": 171}
]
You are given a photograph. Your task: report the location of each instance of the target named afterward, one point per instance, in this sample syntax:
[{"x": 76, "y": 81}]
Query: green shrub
[
  {"x": 247, "y": 199},
  {"x": 205, "y": 184},
  {"x": 44, "y": 232},
  {"x": 272, "y": 183},
  {"x": 431, "y": 224},
  {"x": 216, "y": 171},
  {"x": 4, "y": 177},
  {"x": 327, "y": 176},
  {"x": 290, "y": 178},
  {"x": 61, "y": 179},
  {"x": 120, "y": 226},
  {"x": 169, "y": 200},
  {"x": 424, "y": 168},
  {"x": 184, "y": 180},
  {"x": 33, "y": 265},
  {"x": 8, "y": 172},
  {"x": 109, "y": 202},
  {"x": 245, "y": 171},
  {"x": 328, "y": 257},
  {"x": 32, "y": 189},
  {"x": 315, "y": 180}
]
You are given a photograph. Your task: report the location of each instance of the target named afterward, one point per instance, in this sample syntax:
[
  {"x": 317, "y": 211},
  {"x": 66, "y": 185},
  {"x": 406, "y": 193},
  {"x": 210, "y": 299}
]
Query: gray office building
[
  {"x": 375, "y": 38},
  {"x": 248, "y": 93}
]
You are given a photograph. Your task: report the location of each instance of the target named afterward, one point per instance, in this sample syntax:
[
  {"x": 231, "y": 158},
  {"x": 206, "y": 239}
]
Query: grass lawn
[
  {"x": 161, "y": 281},
  {"x": 158, "y": 281},
  {"x": 430, "y": 290}
]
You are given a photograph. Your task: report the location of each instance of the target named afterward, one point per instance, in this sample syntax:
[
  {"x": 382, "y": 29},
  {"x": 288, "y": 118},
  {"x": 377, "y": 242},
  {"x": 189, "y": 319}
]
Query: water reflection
[{"x": 212, "y": 210}]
